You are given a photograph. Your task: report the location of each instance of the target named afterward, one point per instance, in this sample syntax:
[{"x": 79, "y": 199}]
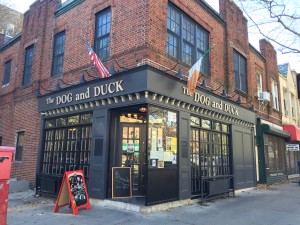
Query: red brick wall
[{"x": 138, "y": 32}]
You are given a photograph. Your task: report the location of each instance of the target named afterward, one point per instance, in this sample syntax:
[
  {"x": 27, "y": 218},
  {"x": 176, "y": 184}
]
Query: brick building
[{"x": 62, "y": 117}]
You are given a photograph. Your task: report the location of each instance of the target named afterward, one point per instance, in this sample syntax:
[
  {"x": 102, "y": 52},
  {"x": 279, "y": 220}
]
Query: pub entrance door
[{"x": 133, "y": 144}]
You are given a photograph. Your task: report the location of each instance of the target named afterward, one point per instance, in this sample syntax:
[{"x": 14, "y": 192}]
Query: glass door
[{"x": 133, "y": 138}]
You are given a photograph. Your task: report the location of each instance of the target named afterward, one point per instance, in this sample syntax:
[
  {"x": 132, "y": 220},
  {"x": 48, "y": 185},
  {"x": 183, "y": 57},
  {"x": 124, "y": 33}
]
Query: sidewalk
[{"x": 277, "y": 205}]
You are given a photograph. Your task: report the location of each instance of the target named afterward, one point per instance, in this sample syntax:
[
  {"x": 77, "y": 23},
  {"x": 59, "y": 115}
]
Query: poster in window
[
  {"x": 160, "y": 164},
  {"x": 174, "y": 144},
  {"x": 171, "y": 117},
  {"x": 130, "y": 147}
]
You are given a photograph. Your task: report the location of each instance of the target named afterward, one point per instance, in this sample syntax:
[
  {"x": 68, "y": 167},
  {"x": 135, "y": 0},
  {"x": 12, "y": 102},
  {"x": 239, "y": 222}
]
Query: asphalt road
[{"x": 277, "y": 205}]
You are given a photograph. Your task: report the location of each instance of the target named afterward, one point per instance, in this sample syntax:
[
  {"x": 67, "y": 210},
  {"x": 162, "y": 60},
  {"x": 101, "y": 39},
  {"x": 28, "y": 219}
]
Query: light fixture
[
  {"x": 179, "y": 73},
  {"x": 82, "y": 79},
  {"x": 129, "y": 115},
  {"x": 203, "y": 84},
  {"x": 239, "y": 101},
  {"x": 224, "y": 94},
  {"x": 143, "y": 109},
  {"x": 112, "y": 70}
]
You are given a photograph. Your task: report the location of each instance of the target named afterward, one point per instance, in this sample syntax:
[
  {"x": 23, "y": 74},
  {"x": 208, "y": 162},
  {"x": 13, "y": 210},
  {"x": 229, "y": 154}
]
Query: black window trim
[
  {"x": 31, "y": 48},
  {"x": 97, "y": 15},
  {"x": 7, "y": 74},
  {"x": 243, "y": 92},
  {"x": 58, "y": 35},
  {"x": 195, "y": 49}
]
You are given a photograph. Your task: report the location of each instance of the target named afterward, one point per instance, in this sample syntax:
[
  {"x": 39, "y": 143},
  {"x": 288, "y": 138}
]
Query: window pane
[
  {"x": 240, "y": 72},
  {"x": 58, "y": 54},
  {"x": 7, "y": 72},
  {"x": 102, "y": 34},
  {"x": 162, "y": 138},
  {"x": 28, "y": 65}
]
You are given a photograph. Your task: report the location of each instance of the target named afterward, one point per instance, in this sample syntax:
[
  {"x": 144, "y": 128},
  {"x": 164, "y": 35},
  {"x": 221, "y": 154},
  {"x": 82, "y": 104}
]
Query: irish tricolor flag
[{"x": 194, "y": 73}]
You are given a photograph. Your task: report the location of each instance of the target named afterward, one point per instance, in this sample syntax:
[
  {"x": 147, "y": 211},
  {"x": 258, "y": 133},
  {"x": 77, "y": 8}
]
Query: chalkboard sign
[
  {"x": 121, "y": 182},
  {"x": 73, "y": 192}
]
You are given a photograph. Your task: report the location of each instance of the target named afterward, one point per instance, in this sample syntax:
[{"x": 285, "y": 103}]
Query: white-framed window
[
  {"x": 285, "y": 102},
  {"x": 293, "y": 105},
  {"x": 274, "y": 86},
  {"x": 259, "y": 83}
]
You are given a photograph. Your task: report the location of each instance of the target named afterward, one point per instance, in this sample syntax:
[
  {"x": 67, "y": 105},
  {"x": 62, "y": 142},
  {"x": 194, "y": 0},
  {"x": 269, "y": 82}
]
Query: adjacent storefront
[
  {"x": 292, "y": 150},
  {"x": 178, "y": 146},
  {"x": 271, "y": 143}
]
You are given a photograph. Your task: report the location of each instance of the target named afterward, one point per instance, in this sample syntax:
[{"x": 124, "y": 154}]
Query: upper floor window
[
  {"x": 186, "y": 41},
  {"x": 293, "y": 105},
  {"x": 285, "y": 102},
  {"x": 259, "y": 83},
  {"x": 58, "y": 54},
  {"x": 28, "y": 65},
  {"x": 274, "y": 86},
  {"x": 240, "y": 72},
  {"x": 19, "y": 147},
  {"x": 7, "y": 72},
  {"x": 102, "y": 34}
]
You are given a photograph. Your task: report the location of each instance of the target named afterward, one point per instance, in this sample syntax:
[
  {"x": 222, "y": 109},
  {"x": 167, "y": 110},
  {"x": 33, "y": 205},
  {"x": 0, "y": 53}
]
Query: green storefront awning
[{"x": 265, "y": 128}]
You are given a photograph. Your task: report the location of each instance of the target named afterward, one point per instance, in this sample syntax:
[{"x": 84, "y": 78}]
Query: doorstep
[{"x": 142, "y": 208}]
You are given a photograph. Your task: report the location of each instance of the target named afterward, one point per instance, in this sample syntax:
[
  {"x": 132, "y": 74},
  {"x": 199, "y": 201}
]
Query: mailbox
[{"x": 6, "y": 155}]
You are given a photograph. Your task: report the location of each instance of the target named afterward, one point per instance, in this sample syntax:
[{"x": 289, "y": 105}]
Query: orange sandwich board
[{"x": 73, "y": 192}]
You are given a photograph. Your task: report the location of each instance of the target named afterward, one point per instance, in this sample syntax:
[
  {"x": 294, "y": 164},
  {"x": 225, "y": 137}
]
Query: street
[{"x": 277, "y": 205}]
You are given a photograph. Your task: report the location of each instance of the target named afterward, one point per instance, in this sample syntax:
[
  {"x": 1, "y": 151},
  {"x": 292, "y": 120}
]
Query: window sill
[
  {"x": 241, "y": 93},
  {"x": 67, "y": 6},
  {"x": 5, "y": 85}
]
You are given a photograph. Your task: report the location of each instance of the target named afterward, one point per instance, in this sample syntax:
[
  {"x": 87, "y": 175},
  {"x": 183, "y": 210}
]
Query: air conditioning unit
[{"x": 264, "y": 96}]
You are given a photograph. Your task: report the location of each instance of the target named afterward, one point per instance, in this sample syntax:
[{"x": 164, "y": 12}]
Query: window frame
[
  {"x": 57, "y": 66},
  {"x": 274, "y": 86},
  {"x": 28, "y": 65},
  {"x": 240, "y": 79},
  {"x": 19, "y": 148},
  {"x": 259, "y": 83},
  {"x": 104, "y": 50},
  {"x": 7, "y": 72},
  {"x": 196, "y": 39}
]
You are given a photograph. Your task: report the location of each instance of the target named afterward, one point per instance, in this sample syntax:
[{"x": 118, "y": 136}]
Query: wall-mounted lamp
[
  {"x": 179, "y": 73},
  {"x": 143, "y": 109},
  {"x": 57, "y": 87},
  {"x": 112, "y": 70},
  {"x": 224, "y": 93},
  {"x": 82, "y": 79},
  {"x": 239, "y": 100},
  {"x": 204, "y": 84}
]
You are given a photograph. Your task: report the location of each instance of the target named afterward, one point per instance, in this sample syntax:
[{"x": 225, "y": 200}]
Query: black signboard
[
  {"x": 78, "y": 189},
  {"x": 121, "y": 182}
]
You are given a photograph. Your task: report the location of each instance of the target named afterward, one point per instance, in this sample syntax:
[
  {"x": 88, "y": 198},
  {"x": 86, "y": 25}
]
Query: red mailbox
[{"x": 6, "y": 155}]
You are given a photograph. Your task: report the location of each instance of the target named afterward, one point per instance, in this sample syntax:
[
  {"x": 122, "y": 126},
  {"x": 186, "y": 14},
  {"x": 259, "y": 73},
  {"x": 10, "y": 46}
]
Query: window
[
  {"x": 186, "y": 41},
  {"x": 28, "y": 65},
  {"x": 67, "y": 144},
  {"x": 19, "y": 147},
  {"x": 7, "y": 72},
  {"x": 259, "y": 83},
  {"x": 102, "y": 34},
  {"x": 58, "y": 54},
  {"x": 240, "y": 72},
  {"x": 10, "y": 28},
  {"x": 210, "y": 151},
  {"x": 274, "y": 86},
  {"x": 0, "y": 140},
  {"x": 285, "y": 103},
  {"x": 293, "y": 105},
  {"x": 162, "y": 142}
]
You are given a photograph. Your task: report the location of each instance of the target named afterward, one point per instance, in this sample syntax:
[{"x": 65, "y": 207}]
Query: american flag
[{"x": 103, "y": 72}]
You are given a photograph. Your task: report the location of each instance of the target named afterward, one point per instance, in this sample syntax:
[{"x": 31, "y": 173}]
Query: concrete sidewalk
[{"x": 277, "y": 205}]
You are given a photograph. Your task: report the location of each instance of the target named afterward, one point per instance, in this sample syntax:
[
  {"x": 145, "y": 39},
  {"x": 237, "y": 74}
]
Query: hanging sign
[
  {"x": 73, "y": 192},
  {"x": 292, "y": 147}
]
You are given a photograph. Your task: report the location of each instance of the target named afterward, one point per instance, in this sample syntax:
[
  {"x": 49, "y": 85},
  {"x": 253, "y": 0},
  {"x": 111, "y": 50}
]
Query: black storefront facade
[{"x": 179, "y": 146}]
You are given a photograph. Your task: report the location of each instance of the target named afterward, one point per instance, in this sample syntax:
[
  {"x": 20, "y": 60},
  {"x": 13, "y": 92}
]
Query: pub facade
[{"x": 62, "y": 117}]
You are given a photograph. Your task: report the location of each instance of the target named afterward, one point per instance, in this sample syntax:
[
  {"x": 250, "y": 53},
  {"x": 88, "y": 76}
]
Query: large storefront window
[
  {"x": 274, "y": 154},
  {"x": 162, "y": 142},
  {"x": 67, "y": 145},
  {"x": 210, "y": 151}
]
